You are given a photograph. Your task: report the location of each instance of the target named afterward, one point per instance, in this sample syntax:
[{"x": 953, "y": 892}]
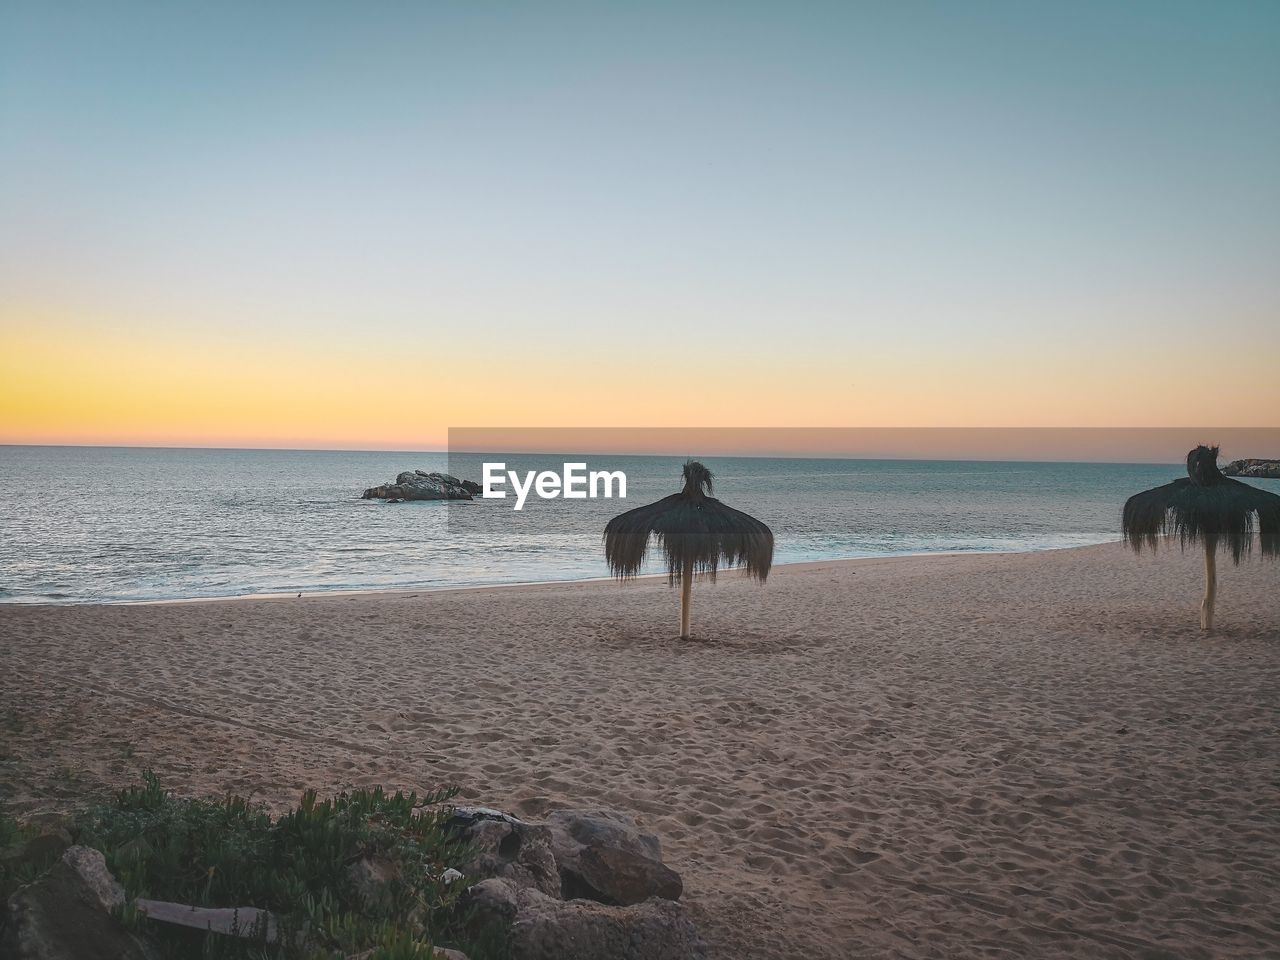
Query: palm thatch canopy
[
  {"x": 696, "y": 533},
  {"x": 1205, "y": 507}
]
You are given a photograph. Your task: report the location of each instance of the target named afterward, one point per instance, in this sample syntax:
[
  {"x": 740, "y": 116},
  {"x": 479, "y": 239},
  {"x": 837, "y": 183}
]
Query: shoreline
[
  {"x": 523, "y": 585},
  {"x": 348, "y": 593}
]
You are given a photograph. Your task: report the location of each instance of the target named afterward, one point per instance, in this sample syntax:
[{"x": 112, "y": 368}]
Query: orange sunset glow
[{"x": 63, "y": 381}]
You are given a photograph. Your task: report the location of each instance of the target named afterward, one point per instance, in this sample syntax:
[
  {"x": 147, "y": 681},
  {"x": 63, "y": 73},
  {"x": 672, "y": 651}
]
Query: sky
[{"x": 358, "y": 225}]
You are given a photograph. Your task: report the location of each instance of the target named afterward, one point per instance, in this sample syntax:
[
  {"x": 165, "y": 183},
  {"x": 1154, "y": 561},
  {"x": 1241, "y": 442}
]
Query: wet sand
[{"x": 1033, "y": 755}]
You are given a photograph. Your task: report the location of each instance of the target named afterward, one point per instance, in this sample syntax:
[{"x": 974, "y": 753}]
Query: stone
[
  {"x": 247, "y": 922},
  {"x": 613, "y": 875},
  {"x": 603, "y": 855},
  {"x": 420, "y": 485},
  {"x": 89, "y": 867},
  {"x": 507, "y": 847},
  {"x": 1260, "y": 469},
  {"x": 547, "y": 929},
  {"x": 572, "y": 830},
  {"x": 543, "y": 928},
  {"x": 372, "y": 878},
  {"x": 66, "y": 914},
  {"x": 492, "y": 902}
]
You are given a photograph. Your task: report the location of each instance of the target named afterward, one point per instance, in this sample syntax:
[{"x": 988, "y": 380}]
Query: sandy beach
[{"x": 1033, "y": 755}]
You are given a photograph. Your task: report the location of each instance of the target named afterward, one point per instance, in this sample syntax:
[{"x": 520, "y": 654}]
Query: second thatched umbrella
[
  {"x": 1208, "y": 508},
  {"x": 697, "y": 534}
]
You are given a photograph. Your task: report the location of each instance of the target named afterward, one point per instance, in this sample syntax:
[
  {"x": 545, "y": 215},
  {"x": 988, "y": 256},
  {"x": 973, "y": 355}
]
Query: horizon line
[{"x": 746, "y": 455}]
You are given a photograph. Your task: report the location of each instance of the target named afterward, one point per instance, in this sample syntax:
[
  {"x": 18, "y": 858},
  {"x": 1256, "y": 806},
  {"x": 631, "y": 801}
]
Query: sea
[{"x": 103, "y": 524}]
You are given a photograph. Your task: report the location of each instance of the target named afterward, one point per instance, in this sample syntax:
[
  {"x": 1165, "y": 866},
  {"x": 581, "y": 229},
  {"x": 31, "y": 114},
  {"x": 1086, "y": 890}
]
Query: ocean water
[{"x": 81, "y": 524}]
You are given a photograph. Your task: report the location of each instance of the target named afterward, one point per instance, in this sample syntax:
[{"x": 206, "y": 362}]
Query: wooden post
[
  {"x": 686, "y": 591},
  {"x": 1210, "y": 586}
]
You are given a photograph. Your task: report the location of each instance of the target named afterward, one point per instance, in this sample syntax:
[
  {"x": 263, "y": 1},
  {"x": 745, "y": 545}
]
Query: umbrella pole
[
  {"x": 1210, "y": 586},
  {"x": 686, "y": 593}
]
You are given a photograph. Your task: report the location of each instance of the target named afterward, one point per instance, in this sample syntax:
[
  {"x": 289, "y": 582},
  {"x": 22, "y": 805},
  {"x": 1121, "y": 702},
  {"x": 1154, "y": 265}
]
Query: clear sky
[{"x": 349, "y": 224}]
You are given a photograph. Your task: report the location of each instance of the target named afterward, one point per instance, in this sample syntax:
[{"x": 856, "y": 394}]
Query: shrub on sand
[{"x": 309, "y": 868}]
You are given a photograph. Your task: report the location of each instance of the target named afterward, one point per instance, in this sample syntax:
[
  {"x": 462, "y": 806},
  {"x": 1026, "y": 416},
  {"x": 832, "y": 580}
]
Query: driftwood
[{"x": 234, "y": 921}]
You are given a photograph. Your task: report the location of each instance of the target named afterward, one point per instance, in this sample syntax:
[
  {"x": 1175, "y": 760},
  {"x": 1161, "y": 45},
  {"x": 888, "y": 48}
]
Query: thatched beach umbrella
[
  {"x": 1208, "y": 508},
  {"x": 696, "y": 532}
]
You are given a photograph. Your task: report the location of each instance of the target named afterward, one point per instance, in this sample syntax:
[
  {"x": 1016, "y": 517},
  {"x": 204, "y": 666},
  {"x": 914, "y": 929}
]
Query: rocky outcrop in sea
[
  {"x": 1262, "y": 469},
  {"x": 420, "y": 485}
]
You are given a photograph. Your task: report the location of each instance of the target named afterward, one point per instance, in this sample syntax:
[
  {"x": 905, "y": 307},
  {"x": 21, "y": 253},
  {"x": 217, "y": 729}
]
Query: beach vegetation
[
  {"x": 303, "y": 868},
  {"x": 14, "y": 870}
]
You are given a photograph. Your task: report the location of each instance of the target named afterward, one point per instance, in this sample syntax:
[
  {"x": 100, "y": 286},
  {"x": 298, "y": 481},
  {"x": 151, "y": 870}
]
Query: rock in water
[
  {"x": 420, "y": 485},
  {"x": 66, "y": 914},
  {"x": 1261, "y": 469}
]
